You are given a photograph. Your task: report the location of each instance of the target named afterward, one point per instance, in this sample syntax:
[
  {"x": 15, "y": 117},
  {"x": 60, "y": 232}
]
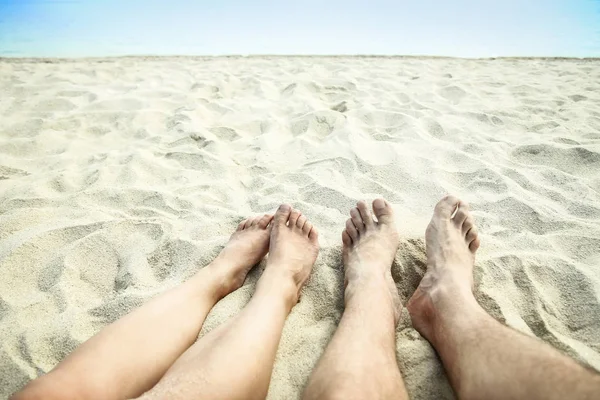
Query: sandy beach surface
[{"x": 120, "y": 178}]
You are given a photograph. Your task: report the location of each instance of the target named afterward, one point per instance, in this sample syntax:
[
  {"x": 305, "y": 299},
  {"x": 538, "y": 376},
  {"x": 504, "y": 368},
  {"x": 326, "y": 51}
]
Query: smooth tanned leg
[
  {"x": 360, "y": 361},
  {"x": 483, "y": 358},
  {"x": 235, "y": 360},
  {"x": 128, "y": 357}
]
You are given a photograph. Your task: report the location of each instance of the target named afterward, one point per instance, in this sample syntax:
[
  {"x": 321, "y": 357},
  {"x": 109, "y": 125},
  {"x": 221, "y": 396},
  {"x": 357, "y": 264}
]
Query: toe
[
  {"x": 301, "y": 221},
  {"x": 357, "y": 220},
  {"x": 383, "y": 211},
  {"x": 474, "y": 245},
  {"x": 365, "y": 213},
  {"x": 346, "y": 239},
  {"x": 306, "y": 228},
  {"x": 242, "y": 225},
  {"x": 461, "y": 215},
  {"x": 467, "y": 225},
  {"x": 471, "y": 235},
  {"x": 446, "y": 207},
  {"x": 254, "y": 221},
  {"x": 351, "y": 229},
  {"x": 282, "y": 215},
  {"x": 294, "y": 217},
  {"x": 265, "y": 220},
  {"x": 313, "y": 235}
]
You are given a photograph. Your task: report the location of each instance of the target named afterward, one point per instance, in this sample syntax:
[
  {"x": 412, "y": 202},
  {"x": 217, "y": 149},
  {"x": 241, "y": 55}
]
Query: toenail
[
  {"x": 285, "y": 207},
  {"x": 379, "y": 203}
]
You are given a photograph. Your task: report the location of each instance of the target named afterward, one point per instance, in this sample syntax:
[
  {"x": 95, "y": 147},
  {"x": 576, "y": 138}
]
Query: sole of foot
[
  {"x": 369, "y": 248},
  {"x": 451, "y": 243},
  {"x": 293, "y": 249}
]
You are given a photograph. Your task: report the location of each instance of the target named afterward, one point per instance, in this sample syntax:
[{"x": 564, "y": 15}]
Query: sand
[{"x": 120, "y": 178}]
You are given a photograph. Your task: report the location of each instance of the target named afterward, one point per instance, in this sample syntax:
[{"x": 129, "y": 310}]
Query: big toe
[
  {"x": 282, "y": 215},
  {"x": 446, "y": 207},
  {"x": 383, "y": 211}
]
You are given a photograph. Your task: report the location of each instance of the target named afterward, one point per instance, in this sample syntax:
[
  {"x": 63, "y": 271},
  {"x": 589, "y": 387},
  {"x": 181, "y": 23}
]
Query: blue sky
[{"x": 463, "y": 28}]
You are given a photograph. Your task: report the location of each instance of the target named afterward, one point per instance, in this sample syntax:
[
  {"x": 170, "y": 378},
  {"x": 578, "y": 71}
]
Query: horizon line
[{"x": 205, "y": 56}]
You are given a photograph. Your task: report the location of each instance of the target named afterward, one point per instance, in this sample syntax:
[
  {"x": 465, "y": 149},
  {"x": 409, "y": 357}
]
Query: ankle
[
  {"x": 279, "y": 283},
  {"x": 363, "y": 285},
  {"x": 450, "y": 301},
  {"x": 374, "y": 292},
  {"x": 460, "y": 316},
  {"x": 216, "y": 279},
  {"x": 435, "y": 309}
]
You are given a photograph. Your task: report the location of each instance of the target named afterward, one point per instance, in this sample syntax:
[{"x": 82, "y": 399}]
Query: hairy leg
[
  {"x": 360, "y": 361},
  {"x": 483, "y": 358},
  {"x": 128, "y": 357},
  {"x": 235, "y": 360}
]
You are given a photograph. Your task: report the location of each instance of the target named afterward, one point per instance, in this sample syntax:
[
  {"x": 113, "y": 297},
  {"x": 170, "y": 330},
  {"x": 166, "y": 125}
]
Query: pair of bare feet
[
  {"x": 370, "y": 241},
  {"x": 483, "y": 358}
]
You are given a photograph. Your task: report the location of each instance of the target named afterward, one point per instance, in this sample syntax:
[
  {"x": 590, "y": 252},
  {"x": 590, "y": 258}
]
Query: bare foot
[
  {"x": 247, "y": 246},
  {"x": 369, "y": 250},
  {"x": 451, "y": 241},
  {"x": 293, "y": 248}
]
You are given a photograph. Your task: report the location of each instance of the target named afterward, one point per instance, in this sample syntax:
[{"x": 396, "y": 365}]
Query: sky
[{"x": 459, "y": 28}]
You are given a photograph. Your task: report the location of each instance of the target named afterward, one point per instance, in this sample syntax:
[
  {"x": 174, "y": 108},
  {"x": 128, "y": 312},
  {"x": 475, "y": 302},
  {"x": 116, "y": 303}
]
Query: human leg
[
  {"x": 235, "y": 361},
  {"x": 483, "y": 358},
  {"x": 360, "y": 361},
  {"x": 129, "y": 356}
]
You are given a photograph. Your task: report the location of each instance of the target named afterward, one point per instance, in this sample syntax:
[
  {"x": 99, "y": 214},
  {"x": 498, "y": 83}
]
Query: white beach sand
[{"x": 121, "y": 177}]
